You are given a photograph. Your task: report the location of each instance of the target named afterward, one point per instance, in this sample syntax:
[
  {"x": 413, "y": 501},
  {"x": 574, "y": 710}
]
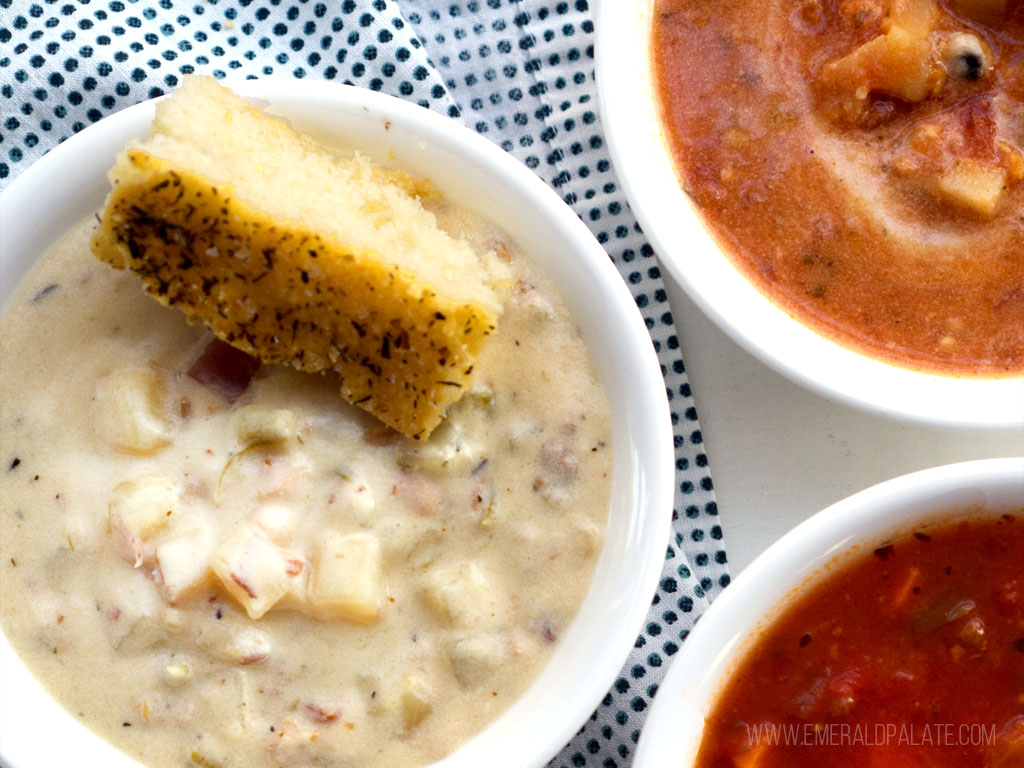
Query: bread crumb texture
[{"x": 296, "y": 255}]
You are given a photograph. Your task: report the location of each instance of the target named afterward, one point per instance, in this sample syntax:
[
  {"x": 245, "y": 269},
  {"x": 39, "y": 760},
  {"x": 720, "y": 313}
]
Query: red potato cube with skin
[
  {"x": 224, "y": 369},
  {"x": 257, "y": 572}
]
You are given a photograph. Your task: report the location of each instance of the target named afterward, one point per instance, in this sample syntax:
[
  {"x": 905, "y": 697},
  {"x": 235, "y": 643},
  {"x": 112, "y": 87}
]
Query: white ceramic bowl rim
[
  {"x": 647, "y": 172},
  {"x": 813, "y": 549},
  {"x": 69, "y": 183}
]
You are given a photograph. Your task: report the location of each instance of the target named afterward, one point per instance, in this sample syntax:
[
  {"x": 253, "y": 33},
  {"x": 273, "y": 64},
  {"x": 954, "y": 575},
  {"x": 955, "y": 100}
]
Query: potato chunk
[
  {"x": 256, "y": 572},
  {"x": 131, "y": 411},
  {"x": 448, "y": 451},
  {"x": 137, "y": 510},
  {"x": 257, "y": 424},
  {"x": 474, "y": 657},
  {"x": 348, "y": 578},
  {"x": 184, "y": 562},
  {"x": 416, "y": 701},
  {"x": 898, "y": 63},
  {"x": 974, "y": 185},
  {"x": 461, "y": 597}
]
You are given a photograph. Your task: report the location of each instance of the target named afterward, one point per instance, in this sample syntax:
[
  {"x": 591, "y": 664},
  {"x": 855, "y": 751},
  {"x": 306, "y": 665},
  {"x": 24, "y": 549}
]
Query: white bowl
[
  {"x": 69, "y": 183},
  {"x": 808, "y": 553},
  {"x": 644, "y": 166}
]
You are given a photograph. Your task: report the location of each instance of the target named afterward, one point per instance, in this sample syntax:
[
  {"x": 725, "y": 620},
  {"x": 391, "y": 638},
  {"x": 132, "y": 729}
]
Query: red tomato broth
[
  {"x": 840, "y": 210},
  {"x": 908, "y": 656}
]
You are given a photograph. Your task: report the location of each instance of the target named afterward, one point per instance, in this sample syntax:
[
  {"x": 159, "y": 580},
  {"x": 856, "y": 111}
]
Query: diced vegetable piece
[
  {"x": 416, "y": 701},
  {"x": 348, "y": 578},
  {"x": 178, "y": 673},
  {"x": 257, "y": 424},
  {"x": 256, "y": 572},
  {"x": 224, "y": 369},
  {"x": 249, "y": 646},
  {"x": 184, "y": 562},
  {"x": 277, "y": 520},
  {"x": 137, "y": 510},
  {"x": 132, "y": 412},
  {"x": 462, "y": 596},
  {"x": 202, "y": 761},
  {"x": 974, "y": 185},
  {"x": 356, "y": 498},
  {"x": 905, "y": 588},
  {"x": 447, "y": 451},
  {"x": 130, "y": 614},
  {"x": 915, "y": 16},
  {"x": 897, "y": 63},
  {"x": 474, "y": 657}
]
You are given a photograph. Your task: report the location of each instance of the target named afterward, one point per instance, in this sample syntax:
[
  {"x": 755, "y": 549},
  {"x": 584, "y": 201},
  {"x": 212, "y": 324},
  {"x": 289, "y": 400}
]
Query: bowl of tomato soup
[
  {"x": 838, "y": 186},
  {"x": 887, "y": 630}
]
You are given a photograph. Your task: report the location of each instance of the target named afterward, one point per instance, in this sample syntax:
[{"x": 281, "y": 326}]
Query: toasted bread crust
[{"x": 287, "y": 293}]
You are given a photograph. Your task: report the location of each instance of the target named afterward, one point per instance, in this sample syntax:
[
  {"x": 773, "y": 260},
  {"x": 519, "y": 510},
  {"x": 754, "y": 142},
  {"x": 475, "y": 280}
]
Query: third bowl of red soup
[
  {"x": 858, "y": 163},
  {"x": 903, "y": 648}
]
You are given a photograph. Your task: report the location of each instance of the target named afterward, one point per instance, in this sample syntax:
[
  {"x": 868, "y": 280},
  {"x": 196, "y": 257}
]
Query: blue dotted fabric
[{"x": 520, "y": 72}]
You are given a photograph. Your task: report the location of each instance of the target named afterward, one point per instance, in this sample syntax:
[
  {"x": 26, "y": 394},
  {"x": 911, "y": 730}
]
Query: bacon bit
[
  {"x": 60, "y": 619},
  {"x": 292, "y": 568},
  {"x": 248, "y": 590},
  {"x": 549, "y": 632},
  {"x": 538, "y": 483},
  {"x": 224, "y": 369},
  {"x": 114, "y": 613},
  {"x": 252, "y": 659},
  {"x": 320, "y": 714}
]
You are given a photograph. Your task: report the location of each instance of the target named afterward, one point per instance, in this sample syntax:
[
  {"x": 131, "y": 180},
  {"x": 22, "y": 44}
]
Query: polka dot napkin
[{"x": 520, "y": 72}]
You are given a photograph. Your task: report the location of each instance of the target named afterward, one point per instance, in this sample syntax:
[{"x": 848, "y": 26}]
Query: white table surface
[{"x": 778, "y": 453}]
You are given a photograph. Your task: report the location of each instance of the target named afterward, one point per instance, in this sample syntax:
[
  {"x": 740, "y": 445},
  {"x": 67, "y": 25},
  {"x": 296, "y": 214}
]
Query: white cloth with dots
[{"x": 520, "y": 72}]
